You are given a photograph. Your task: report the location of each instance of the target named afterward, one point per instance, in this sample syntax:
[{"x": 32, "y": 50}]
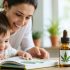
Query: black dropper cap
[{"x": 65, "y": 39}]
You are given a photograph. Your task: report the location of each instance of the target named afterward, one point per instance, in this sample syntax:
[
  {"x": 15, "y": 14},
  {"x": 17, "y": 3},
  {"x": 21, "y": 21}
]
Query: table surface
[
  {"x": 49, "y": 68},
  {"x": 54, "y": 68}
]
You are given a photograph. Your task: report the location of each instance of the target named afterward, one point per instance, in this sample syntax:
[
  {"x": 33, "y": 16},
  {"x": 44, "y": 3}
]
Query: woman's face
[{"x": 19, "y": 15}]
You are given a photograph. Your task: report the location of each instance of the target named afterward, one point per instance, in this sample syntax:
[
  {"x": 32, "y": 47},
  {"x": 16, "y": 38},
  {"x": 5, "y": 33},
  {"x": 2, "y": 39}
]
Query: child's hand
[
  {"x": 24, "y": 55},
  {"x": 2, "y": 56}
]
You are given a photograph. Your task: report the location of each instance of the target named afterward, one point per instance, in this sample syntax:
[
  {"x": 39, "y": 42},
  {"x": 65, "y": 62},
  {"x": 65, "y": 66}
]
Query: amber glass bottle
[{"x": 64, "y": 57}]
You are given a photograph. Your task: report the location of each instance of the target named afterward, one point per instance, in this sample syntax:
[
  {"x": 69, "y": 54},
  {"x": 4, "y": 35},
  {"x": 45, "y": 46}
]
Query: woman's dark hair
[
  {"x": 15, "y": 2},
  {"x": 4, "y": 24}
]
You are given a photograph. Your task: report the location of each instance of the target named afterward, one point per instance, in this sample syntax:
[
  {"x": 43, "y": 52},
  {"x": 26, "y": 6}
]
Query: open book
[{"x": 17, "y": 62}]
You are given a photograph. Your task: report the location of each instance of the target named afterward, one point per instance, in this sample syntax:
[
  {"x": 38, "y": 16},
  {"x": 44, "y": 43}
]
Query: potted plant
[
  {"x": 1, "y": 3},
  {"x": 54, "y": 31},
  {"x": 37, "y": 38}
]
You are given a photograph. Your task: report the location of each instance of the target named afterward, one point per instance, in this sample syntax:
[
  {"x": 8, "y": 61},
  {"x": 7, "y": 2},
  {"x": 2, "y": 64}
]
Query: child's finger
[{"x": 28, "y": 56}]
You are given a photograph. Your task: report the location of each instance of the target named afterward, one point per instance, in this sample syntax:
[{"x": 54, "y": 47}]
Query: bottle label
[{"x": 64, "y": 57}]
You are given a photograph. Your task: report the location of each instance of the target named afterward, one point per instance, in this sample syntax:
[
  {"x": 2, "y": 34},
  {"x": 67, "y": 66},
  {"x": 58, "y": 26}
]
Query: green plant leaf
[
  {"x": 62, "y": 59},
  {"x": 54, "y": 28},
  {"x": 36, "y": 35},
  {"x": 68, "y": 58},
  {"x": 65, "y": 58}
]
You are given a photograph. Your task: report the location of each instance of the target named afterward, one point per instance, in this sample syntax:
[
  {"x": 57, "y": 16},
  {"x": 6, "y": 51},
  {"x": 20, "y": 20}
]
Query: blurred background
[{"x": 50, "y": 19}]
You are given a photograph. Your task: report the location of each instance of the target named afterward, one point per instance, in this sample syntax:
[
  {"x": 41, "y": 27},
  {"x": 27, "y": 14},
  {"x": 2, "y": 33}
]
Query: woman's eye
[
  {"x": 6, "y": 41},
  {"x": 18, "y": 14},
  {"x": 27, "y": 18}
]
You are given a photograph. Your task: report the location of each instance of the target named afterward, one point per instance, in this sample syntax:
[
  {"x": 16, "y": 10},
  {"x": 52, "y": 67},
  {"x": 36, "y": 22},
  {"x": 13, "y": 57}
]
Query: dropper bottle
[{"x": 64, "y": 56}]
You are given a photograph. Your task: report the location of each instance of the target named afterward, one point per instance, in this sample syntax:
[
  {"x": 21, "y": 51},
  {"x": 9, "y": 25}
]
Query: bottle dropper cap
[{"x": 65, "y": 39}]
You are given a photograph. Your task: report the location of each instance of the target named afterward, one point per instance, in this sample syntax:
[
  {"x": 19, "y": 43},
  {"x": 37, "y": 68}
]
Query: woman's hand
[
  {"x": 24, "y": 55},
  {"x": 39, "y": 52}
]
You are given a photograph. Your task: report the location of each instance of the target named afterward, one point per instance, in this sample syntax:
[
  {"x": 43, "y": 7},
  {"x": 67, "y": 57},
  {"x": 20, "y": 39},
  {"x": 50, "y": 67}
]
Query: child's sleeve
[{"x": 10, "y": 51}]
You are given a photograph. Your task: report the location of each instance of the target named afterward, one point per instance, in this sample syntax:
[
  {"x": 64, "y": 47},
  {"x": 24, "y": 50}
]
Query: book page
[{"x": 30, "y": 64}]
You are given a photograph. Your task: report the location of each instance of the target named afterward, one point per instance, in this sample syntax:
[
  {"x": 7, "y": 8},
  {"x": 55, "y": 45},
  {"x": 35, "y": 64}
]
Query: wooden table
[
  {"x": 54, "y": 68},
  {"x": 49, "y": 68}
]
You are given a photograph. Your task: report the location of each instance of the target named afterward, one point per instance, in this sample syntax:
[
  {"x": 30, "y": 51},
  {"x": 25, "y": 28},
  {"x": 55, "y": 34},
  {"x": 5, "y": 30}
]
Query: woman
[
  {"x": 19, "y": 12},
  {"x": 6, "y": 50}
]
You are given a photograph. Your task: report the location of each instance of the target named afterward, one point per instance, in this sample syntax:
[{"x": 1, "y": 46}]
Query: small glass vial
[{"x": 64, "y": 56}]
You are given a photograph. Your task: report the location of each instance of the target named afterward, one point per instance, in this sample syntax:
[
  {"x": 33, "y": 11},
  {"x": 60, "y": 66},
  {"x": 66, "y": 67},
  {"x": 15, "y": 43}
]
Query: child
[{"x": 5, "y": 48}]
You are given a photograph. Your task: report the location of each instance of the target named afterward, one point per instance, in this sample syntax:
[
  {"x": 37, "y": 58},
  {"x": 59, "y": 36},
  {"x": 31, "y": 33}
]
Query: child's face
[{"x": 4, "y": 40}]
